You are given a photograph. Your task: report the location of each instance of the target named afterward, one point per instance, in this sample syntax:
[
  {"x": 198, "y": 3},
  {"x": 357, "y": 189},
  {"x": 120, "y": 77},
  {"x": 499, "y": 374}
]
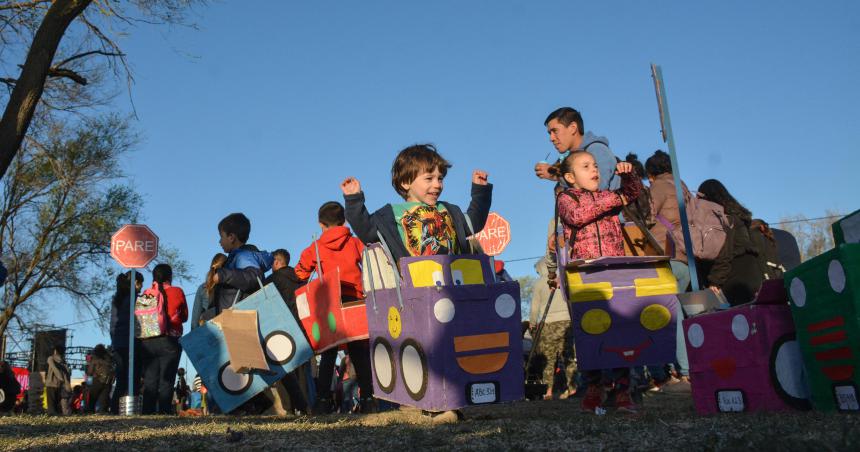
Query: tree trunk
[{"x": 28, "y": 89}]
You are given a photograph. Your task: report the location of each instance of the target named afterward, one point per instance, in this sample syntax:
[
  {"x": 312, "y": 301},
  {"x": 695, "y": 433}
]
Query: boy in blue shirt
[{"x": 245, "y": 267}]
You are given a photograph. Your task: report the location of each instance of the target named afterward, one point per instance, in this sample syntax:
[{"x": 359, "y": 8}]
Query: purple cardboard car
[{"x": 445, "y": 334}]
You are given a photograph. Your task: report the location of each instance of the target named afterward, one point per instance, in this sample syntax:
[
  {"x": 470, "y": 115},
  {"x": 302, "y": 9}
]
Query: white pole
[{"x": 131, "y": 299}]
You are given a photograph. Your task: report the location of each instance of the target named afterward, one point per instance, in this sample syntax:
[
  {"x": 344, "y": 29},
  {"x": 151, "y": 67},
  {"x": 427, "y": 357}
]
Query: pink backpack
[
  {"x": 708, "y": 225},
  {"x": 150, "y": 315}
]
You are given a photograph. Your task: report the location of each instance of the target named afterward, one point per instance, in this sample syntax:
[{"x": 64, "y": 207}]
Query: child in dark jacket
[
  {"x": 245, "y": 267},
  {"x": 422, "y": 225},
  {"x": 339, "y": 252},
  {"x": 592, "y": 229},
  {"x": 287, "y": 282}
]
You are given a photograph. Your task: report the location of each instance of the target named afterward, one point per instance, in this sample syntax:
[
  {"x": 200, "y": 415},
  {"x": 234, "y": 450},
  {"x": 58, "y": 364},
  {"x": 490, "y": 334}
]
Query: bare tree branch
[
  {"x": 86, "y": 54},
  {"x": 22, "y": 5}
]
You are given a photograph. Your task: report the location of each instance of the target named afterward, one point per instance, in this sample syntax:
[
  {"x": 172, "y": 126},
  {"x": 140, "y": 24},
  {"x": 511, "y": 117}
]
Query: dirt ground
[{"x": 667, "y": 422}]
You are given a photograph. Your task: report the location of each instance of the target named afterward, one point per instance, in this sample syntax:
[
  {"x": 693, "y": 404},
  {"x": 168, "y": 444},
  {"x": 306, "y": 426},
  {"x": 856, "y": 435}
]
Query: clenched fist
[
  {"x": 479, "y": 177},
  {"x": 350, "y": 186}
]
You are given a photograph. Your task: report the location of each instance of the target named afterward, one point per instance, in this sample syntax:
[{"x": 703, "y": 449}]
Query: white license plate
[
  {"x": 846, "y": 398},
  {"x": 482, "y": 393},
  {"x": 730, "y": 401}
]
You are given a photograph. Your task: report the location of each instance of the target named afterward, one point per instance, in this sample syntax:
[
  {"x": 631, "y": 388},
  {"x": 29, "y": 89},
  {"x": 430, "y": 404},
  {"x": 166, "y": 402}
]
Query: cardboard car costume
[
  {"x": 623, "y": 311},
  {"x": 328, "y": 321},
  {"x": 278, "y": 334},
  {"x": 747, "y": 358},
  {"x": 825, "y": 304},
  {"x": 446, "y": 335}
]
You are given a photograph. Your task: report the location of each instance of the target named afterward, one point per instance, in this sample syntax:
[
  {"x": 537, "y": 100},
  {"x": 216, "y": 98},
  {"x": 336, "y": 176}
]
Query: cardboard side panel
[
  {"x": 327, "y": 321},
  {"x": 745, "y": 359},
  {"x": 281, "y": 339},
  {"x": 825, "y": 293},
  {"x": 623, "y": 315},
  {"x": 448, "y": 346}
]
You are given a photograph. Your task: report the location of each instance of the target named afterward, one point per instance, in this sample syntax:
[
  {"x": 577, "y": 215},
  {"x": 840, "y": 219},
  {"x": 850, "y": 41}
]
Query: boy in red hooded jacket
[{"x": 339, "y": 251}]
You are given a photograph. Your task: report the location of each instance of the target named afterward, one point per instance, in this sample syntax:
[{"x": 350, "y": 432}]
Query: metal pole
[
  {"x": 657, "y": 73},
  {"x": 131, "y": 299}
]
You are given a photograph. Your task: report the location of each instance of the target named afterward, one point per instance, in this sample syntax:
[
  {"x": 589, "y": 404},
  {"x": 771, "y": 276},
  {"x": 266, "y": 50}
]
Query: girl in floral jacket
[
  {"x": 592, "y": 229},
  {"x": 589, "y": 215}
]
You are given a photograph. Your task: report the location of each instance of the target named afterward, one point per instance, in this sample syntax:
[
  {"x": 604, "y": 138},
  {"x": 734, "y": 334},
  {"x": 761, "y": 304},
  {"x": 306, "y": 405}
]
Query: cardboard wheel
[
  {"x": 280, "y": 348},
  {"x": 383, "y": 365},
  {"x": 413, "y": 369},
  {"x": 231, "y": 382}
]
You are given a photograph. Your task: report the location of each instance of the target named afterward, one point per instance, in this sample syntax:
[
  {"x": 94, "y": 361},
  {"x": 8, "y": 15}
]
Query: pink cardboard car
[{"x": 747, "y": 358}]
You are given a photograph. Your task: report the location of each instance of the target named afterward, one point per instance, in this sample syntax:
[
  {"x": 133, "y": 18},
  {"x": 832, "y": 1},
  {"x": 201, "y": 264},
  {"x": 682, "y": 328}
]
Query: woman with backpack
[
  {"x": 665, "y": 215},
  {"x": 665, "y": 218},
  {"x": 101, "y": 370},
  {"x": 736, "y": 270},
  {"x": 119, "y": 332},
  {"x": 159, "y": 329}
]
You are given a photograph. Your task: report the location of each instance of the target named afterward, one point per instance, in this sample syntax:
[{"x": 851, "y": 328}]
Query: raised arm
[
  {"x": 356, "y": 212},
  {"x": 482, "y": 198}
]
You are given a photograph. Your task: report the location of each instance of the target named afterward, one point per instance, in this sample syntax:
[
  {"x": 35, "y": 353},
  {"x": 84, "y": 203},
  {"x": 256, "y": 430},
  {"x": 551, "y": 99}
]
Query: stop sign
[
  {"x": 496, "y": 234},
  {"x": 134, "y": 246}
]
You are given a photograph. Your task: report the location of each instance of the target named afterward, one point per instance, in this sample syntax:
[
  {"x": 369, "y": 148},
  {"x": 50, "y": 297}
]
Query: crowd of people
[
  {"x": 595, "y": 191},
  {"x": 596, "y": 195}
]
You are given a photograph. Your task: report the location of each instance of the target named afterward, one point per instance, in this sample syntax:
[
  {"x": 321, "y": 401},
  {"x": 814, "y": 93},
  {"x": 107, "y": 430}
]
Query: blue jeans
[{"x": 682, "y": 275}]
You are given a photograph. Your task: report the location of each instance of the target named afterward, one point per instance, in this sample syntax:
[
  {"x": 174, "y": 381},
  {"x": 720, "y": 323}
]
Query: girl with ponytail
[{"x": 160, "y": 355}]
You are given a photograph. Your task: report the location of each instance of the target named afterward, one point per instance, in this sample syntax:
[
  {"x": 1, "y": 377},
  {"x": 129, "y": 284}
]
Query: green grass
[{"x": 668, "y": 422}]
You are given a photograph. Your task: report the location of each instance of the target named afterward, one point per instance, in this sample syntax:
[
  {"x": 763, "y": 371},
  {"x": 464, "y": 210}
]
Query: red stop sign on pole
[
  {"x": 134, "y": 246},
  {"x": 496, "y": 234}
]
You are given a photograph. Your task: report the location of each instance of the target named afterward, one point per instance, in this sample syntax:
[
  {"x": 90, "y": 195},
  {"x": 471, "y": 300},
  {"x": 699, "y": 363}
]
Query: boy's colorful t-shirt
[{"x": 425, "y": 230}]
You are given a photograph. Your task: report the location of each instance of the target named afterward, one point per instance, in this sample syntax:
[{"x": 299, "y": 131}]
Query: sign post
[
  {"x": 666, "y": 125},
  {"x": 132, "y": 246}
]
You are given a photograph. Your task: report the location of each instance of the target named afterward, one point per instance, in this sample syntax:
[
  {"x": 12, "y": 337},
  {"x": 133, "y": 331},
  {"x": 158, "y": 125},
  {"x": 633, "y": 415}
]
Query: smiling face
[
  {"x": 426, "y": 188},
  {"x": 584, "y": 173}
]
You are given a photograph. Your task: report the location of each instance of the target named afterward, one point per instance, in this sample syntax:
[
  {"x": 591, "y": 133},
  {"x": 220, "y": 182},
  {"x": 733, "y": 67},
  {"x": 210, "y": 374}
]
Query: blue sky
[{"x": 268, "y": 105}]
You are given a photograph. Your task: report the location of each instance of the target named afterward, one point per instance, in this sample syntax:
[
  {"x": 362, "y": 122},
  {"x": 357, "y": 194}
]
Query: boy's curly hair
[{"x": 414, "y": 160}]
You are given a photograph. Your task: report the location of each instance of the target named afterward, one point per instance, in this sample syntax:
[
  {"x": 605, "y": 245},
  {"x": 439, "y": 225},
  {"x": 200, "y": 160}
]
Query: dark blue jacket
[
  {"x": 243, "y": 272},
  {"x": 382, "y": 221},
  {"x": 119, "y": 320}
]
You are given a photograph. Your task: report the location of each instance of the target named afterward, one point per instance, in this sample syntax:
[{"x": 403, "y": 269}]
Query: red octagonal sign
[
  {"x": 134, "y": 246},
  {"x": 496, "y": 234}
]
